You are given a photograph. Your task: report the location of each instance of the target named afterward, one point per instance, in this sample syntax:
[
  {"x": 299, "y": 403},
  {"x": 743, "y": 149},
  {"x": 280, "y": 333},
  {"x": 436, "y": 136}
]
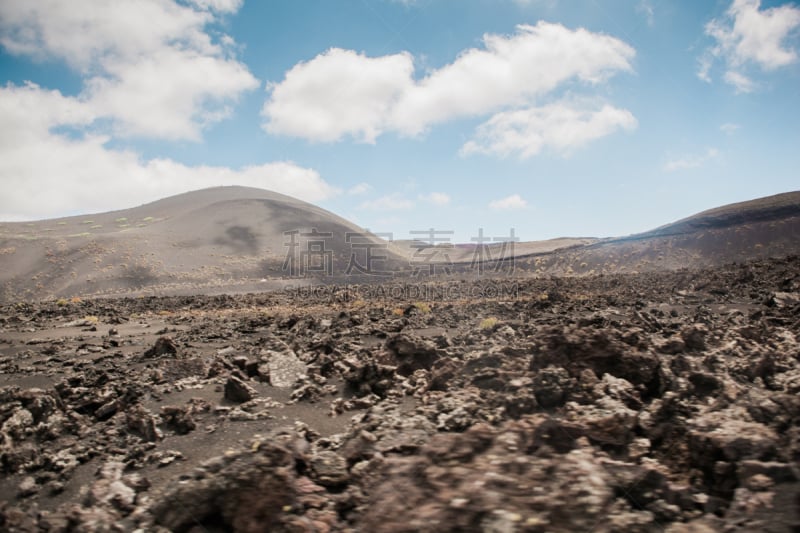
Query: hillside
[
  {"x": 194, "y": 242},
  {"x": 238, "y": 239},
  {"x": 756, "y": 229}
]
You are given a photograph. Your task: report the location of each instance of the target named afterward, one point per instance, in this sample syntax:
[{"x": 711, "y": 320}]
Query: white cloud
[
  {"x": 742, "y": 83},
  {"x": 359, "y": 188},
  {"x": 645, "y": 7},
  {"x": 515, "y": 201},
  {"x": 747, "y": 35},
  {"x": 341, "y": 93},
  {"x": 222, "y": 6},
  {"x": 704, "y": 64},
  {"x": 436, "y": 198},
  {"x": 149, "y": 65},
  {"x": 510, "y": 71},
  {"x": 90, "y": 33},
  {"x": 561, "y": 127},
  {"x": 729, "y": 128},
  {"x": 338, "y": 93},
  {"x": 45, "y": 174},
  {"x": 691, "y": 161},
  {"x": 389, "y": 202},
  {"x": 168, "y": 96}
]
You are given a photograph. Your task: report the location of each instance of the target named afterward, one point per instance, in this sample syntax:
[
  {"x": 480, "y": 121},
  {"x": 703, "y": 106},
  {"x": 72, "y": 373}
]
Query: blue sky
[{"x": 552, "y": 117}]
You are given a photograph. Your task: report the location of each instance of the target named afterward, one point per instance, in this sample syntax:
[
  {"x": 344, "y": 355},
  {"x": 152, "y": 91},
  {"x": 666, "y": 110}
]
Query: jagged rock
[
  {"x": 432, "y": 492},
  {"x": 329, "y": 469},
  {"x": 140, "y": 422},
  {"x": 785, "y": 299},
  {"x": 285, "y": 369},
  {"x": 178, "y": 419},
  {"x": 366, "y": 377},
  {"x": 411, "y": 353},
  {"x": 551, "y": 385},
  {"x": 238, "y": 391},
  {"x": 27, "y": 487},
  {"x": 777, "y": 472},
  {"x": 694, "y": 337},
  {"x": 705, "y": 384},
  {"x": 607, "y": 421},
  {"x": 599, "y": 351},
  {"x": 110, "y": 490},
  {"x": 242, "y": 492},
  {"x": 163, "y": 346},
  {"x": 729, "y": 436}
]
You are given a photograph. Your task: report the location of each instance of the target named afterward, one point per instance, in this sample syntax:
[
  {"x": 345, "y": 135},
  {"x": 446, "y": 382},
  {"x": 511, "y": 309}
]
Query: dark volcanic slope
[
  {"x": 762, "y": 228},
  {"x": 767, "y": 209},
  {"x": 193, "y": 242}
]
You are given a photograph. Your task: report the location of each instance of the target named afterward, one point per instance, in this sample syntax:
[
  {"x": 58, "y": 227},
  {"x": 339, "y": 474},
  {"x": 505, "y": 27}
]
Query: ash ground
[{"x": 651, "y": 402}]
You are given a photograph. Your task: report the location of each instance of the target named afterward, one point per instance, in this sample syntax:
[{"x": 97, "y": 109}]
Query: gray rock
[
  {"x": 329, "y": 468},
  {"x": 163, "y": 346},
  {"x": 27, "y": 487},
  {"x": 785, "y": 299},
  {"x": 285, "y": 369}
]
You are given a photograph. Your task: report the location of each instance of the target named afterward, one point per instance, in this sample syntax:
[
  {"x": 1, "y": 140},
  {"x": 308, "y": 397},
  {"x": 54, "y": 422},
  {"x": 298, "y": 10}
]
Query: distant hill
[
  {"x": 767, "y": 209},
  {"x": 760, "y": 228},
  {"x": 239, "y": 239},
  {"x": 202, "y": 241}
]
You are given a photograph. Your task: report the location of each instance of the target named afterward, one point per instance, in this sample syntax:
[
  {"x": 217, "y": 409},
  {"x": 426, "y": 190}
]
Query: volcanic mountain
[
  {"x": 756, "y": 229},
  {"x": 238, "y": 239}
]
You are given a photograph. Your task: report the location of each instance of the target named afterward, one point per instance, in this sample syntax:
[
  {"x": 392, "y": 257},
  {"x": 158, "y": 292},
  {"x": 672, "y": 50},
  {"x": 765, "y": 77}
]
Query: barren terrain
[
  {"x": 646, "y": 402},
  {"x": 234, "y": 240},
  {"x": 161, "y": 371}
]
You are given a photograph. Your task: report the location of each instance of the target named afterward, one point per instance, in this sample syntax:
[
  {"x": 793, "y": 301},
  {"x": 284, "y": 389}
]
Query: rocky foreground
[{"x": 638, "y": 403}]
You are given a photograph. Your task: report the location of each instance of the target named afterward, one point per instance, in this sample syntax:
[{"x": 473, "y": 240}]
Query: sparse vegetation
[
  {"x": 488, "y": 323},
  {"x": 121, "y": 220},
  {"x": 422, "y": 307}
]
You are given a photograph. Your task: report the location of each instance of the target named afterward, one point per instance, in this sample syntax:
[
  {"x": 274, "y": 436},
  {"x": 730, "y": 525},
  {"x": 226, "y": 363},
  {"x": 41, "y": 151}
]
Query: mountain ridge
[{"x": 237, "y": 239}]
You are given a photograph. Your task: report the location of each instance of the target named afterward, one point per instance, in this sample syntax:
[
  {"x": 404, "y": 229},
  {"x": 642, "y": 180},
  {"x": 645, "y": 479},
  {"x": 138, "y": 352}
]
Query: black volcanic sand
[{"x": 651, "y": 402}]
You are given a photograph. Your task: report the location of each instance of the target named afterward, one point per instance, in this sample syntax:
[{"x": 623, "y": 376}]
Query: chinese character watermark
[
  {"x": 485, "y": 256},
  {"x": 365, "y": 242},
  {"x": 309, "y": 252},
  {"x": 431, "y": 252},
  {"x": 312, "y": 258}
]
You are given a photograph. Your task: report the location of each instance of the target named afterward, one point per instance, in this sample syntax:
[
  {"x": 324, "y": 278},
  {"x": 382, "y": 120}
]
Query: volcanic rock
[
  {"x": 238, "y": 391},
  {"x": 163, "y": 346},
  {"x": 285, "y": 369}
]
